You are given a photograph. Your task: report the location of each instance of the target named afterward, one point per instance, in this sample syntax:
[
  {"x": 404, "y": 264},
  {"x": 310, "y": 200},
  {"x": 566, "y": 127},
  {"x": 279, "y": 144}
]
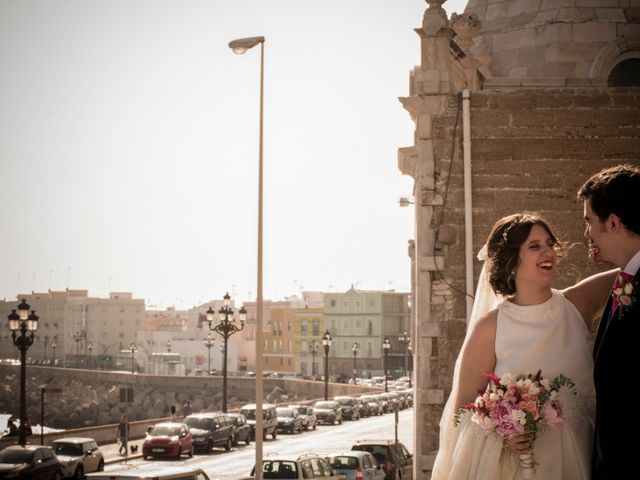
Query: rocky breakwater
[{"x": 81, "y": 398}]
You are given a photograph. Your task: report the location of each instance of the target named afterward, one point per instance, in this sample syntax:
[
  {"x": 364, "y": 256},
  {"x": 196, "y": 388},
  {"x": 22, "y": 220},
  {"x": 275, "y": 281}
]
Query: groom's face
[{"x": 596, "y": 233}]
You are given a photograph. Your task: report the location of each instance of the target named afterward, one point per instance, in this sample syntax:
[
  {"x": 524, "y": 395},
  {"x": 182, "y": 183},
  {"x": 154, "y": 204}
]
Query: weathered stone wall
[
  {"x": 531, "y": 150},
  {"x": 92, "y": 397}
]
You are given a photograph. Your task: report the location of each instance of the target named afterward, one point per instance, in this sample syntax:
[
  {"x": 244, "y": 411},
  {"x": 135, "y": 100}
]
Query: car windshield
[
  {"x": 71, "y": 449},
  {"x": 343, "y": 462},
  {"x": 160, "y": 430},
  {"x": 201, "y": 423},
  {"x": 328, "y": 405},
  {"x": 345, "y": 401},
  {"x": 285, "y": 412},
  {"x": 302, "y": 410},
  {"x": 16, "y": 456},
  {"x": 249, "y": 414},
  {"x": 279, "y": 469}
]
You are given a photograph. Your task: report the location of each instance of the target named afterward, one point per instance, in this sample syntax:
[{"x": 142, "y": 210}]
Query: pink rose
[
  {"x": 625, "y": 300},
  {"x": 552, "y": 415}
]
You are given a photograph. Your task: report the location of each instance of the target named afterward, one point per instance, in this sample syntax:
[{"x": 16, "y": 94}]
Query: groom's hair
[{"x": 615, "y": 190}]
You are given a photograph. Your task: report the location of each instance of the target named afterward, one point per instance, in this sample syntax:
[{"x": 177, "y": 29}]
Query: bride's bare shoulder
[{"x": 486, "y": 324}]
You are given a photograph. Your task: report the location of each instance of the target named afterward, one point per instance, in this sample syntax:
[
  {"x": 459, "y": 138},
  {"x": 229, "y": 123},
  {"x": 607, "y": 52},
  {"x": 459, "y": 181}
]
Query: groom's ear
[{"x": 614, "y": 223}]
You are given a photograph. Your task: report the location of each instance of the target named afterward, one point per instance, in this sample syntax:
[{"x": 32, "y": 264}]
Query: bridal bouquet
[{"x": 518, "y": 404}]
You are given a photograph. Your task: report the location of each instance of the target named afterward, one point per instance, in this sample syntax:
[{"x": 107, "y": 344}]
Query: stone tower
[{"x": 515, "y": 104}]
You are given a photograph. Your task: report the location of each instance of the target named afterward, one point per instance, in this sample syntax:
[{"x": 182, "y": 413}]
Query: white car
[
  {"x": 305, "y": 466},
  {"x": 78, "y": 455}
]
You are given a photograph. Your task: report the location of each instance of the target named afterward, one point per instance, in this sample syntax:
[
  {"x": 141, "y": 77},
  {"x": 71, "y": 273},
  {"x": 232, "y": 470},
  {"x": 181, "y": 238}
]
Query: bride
[{"x": 533, "y": 328}]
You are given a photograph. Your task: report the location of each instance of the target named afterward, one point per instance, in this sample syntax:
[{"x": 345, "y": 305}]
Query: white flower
[
  {"x": 527, "y": 382},
  {"x": 518, "y": 416},
  {"x": 493, "y": 396},
  {"x": 628, "y": 289},
  {"x": 533, "y": 389},
  {"x": 545, "y": 383},
  {"x": 553, "y": 395},
  {"x": 506, "y": 379}
]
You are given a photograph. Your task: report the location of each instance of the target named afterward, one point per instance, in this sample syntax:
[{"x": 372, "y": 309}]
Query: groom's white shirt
[{"x": 634, "y": 264}]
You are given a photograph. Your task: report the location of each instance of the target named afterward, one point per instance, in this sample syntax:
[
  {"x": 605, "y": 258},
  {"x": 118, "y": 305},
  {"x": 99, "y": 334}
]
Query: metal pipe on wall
[{"x": 468, "y": 204}]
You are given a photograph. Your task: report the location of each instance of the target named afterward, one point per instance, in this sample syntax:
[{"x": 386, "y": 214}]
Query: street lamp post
[
  {"x": 54, "y": 345},
  {"x": 354, "y": 348},
  {"x": 314, "y": 352},
  {"x": 209, "y": 342},
  {"x": 90, "y": 348},
  {"x": 133, "y": 349},
  {"x": 76, "y": 337},
  {"x": 405, "y": 339},
  {"x": 23, "y": 322},
  {"x": 386, "y": 346},
  {"x": 226, "y": 327},
  {"x": 240, "y": 46},
  {"x": 410, "y": 348},
  {"x": 326, "y": 341}
]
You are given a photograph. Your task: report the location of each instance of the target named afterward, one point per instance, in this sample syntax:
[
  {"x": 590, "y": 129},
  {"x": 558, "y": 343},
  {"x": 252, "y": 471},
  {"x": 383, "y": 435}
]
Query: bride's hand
[{"x": 521, "y": 443}]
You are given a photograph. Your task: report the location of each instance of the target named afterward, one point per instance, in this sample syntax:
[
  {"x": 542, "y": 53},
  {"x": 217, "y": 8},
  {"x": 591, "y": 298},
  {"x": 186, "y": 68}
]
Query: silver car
[
  {"x": 356, "y": 465},
  {"x": 78, "y": 455}
]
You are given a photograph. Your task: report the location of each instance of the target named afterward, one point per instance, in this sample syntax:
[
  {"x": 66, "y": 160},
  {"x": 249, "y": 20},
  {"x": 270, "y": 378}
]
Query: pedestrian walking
[
  {"x": 187, "y": 409},
  {"x": 123, "y": 435},
  {"x": 174, "y": 415},
  {"x": 12, "y": 429}
]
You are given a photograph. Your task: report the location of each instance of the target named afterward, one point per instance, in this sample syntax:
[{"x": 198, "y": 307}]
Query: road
[{"x": 237, "y": 463}]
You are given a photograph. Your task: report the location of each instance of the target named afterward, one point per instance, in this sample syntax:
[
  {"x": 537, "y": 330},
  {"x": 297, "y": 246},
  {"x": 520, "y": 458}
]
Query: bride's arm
[
  {"x": 590, "y": 295},
  {"x": 478, "y": 356}
]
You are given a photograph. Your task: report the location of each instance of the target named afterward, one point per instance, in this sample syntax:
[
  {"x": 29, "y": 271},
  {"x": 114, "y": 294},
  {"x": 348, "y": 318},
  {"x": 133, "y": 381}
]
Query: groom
[{"x": 611, "y": 201}]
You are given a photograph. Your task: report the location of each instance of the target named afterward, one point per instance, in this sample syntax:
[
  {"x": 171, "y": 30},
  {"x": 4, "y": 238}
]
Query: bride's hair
[{"x": 503, "y": 249}]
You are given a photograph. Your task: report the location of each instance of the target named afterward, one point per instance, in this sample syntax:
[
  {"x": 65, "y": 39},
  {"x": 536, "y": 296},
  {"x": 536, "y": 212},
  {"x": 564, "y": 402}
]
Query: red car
[{"x": 168, "y": 439}]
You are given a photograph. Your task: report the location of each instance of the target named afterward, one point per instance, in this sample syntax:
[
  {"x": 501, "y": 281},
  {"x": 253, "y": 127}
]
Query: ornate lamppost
[
  {"x": 133, "y": 349},
  {"x": 326, "y": 341},
  {"x": 76, "y": 337},
  {"x": 209, "y": 343},
  {"x": 386, "y": 346},
  {"x": 406, "y": 340},
  {"x": 354, "y": 348},
  {"x": 54, "y": 345},
  {"x": 90, "y": 348},
  {"x": 314, "y": 352},
  {"x": 23, "y": 322},
  {"x": 226, "y": 327}
]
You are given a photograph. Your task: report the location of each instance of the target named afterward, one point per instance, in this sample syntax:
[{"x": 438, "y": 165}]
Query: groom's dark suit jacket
[{"x": 617, "y": 360}]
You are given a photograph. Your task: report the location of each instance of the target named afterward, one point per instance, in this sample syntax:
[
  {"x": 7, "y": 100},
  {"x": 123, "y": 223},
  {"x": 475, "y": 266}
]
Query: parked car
[
  {"x": 78, "y": 455},
  {"x": 356, "y": 465},
  {"x": 30, "y": 462},
  {"x": 328, "y": 411},
  {"x": 151, "y": 472},
  {"x": 308, "y": 416},
  {"x": 241, "y": 429},
  {"x": 350, "y": 407},
  {"x": 374, "y": 404},
  {"x": 210, "y": 430},
  {"x": 395, "y": 459},
  {"x": 269, "y": 419},
  {"x": 305, "y": 466},
  {"x": 168, "y": 439},
  {"x": 289, "y": 420}
]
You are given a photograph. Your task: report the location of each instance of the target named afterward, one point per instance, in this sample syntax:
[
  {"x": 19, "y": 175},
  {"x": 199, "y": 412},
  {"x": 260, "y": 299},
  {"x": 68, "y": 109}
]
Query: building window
[
  {"x": 303, "y": 347},
  {"x": 303, "y": 328},
  {"x": 303, "y": 368},
  {"x": 333, "y": 303},
  {"x": 316, "y": 328},
  {"x": 369, "y": 327},
  {"x": 275, "y": 345}
]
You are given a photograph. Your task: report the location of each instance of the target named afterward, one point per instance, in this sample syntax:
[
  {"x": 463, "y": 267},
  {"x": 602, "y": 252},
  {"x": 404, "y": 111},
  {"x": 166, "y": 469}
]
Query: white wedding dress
[{"x": 551, "y": 337}]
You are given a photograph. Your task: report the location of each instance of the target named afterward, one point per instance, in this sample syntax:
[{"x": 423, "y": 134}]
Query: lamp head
[
  {"x": 32, "y": 321},
  {"x": 14, "y": 320},
  {"x": 210, "y": 314},
  {"x": 23, "y": 310},
  {"x": 241, "y": 45}
]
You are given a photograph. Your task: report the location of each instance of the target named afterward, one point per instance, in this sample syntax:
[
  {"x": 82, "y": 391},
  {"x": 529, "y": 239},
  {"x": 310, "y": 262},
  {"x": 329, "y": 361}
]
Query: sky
[{"x": 129, "y": 146}]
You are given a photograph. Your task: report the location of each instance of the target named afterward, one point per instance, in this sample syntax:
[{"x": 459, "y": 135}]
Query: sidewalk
[{"x": 111, "y": 455}]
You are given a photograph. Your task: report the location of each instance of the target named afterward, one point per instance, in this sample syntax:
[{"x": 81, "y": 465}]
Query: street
[{"x": 237, "y": 463}]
